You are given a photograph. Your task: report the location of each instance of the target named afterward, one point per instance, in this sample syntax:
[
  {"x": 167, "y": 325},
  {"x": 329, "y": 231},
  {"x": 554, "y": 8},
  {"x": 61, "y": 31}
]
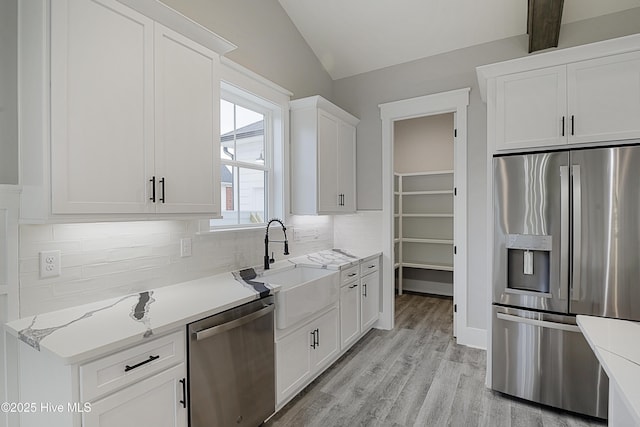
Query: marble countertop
[
  {"x": 84, "y": 332},
  {"x": 616, "y": 344}
]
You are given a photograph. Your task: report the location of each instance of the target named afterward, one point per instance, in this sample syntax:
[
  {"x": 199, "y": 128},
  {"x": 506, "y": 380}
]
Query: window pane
[
  {"x": 227, "y": 130},
  {"x": 249, "y": 136},
  {"x": 242, "y": 194},
  {"x": 228, "y": 196},
  {"x": 251, "y": 198}
]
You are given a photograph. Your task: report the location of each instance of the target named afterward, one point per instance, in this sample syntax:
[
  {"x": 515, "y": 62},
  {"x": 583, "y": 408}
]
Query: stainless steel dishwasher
[{"x": 232, "y": 367}]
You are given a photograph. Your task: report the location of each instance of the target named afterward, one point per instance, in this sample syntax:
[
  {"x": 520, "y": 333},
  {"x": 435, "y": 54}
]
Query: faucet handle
[{"x": 272, "y": 259}]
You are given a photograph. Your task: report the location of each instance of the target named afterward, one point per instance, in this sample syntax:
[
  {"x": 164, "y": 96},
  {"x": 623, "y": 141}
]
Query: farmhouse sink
[{"x": 303, "y": 291}]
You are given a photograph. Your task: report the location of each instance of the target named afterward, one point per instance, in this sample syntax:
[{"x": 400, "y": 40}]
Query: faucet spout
[{"x": 267, "y": 259}]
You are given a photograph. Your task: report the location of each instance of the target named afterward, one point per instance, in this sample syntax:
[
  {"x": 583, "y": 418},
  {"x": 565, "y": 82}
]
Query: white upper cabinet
[
  {"x": 134, "y": 111},
  {"x": 101, "y": 107},
  {"x": 530, "y": 107},
  {"x": 347, "y": 166},
  {"x": 584, "y": 94},
  {"x": 187, "y": 107},
  {"x": 323, "y": 158},
  {"x": 604, "y": 98}
]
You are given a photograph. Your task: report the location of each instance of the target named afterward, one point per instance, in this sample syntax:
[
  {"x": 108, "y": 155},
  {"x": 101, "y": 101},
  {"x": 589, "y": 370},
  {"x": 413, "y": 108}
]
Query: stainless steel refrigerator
[{"x": 567, "y": 242}]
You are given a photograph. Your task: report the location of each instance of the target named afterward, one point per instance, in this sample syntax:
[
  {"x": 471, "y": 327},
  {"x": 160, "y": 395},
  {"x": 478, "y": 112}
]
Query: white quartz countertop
[
  {"x": 334, "y": 259},
  {"x": 84, "y": 332},
  {"x": 616, "y": 344}
]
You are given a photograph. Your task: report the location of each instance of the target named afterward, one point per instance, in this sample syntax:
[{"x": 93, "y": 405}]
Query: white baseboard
[{"x": 428, "y": 287}]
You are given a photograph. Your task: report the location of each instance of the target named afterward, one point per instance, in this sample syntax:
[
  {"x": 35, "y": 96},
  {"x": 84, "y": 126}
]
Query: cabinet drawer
[
  {"x": 349, "y": 275},
  {"x": 126, "y": 367},
  {"x": 368, "y": 267}
]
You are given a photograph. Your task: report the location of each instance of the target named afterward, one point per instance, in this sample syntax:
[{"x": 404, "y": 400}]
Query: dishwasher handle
[{"x": 218, "y": 329}]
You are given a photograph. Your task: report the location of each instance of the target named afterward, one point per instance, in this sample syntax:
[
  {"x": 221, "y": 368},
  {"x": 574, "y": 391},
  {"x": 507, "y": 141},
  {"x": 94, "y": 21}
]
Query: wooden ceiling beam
[{"x": 543, "y": 23}]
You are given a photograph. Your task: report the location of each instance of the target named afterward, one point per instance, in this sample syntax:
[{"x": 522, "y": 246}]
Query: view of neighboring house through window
[{"x": 245, "y": 166}]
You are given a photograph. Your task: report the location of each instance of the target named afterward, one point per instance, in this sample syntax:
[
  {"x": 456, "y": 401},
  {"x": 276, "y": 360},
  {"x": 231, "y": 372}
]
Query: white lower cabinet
[
  {"x": 151, "y": 402},
  {"x": 349, "y": 313},
  {"x": 304, "y": 352},
  {"x": 370, "y": 297},
  {"x": 143, "y": 385},
  {"x": 369, "y": 292}
]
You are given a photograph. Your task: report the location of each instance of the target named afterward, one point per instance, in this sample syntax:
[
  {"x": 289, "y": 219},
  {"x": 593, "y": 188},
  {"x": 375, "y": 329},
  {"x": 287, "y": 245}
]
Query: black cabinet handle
[
  {"x": 315, "y": 338},
  {"x": 364, "y": 290},
  {"x": 572, "y": 125},
  {"x": 163, "y": 195},
  {"x": 353, "y": 286},
  {"x": 153, "y": 189},
  {"x": 562, "y": 125},
  {"x": 128, "y": 368},
  {"x": 184, "y": 393}
]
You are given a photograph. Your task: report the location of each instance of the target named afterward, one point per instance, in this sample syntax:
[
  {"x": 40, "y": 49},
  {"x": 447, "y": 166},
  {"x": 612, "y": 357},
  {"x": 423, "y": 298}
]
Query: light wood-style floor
[{"x": 414, "y": 375}]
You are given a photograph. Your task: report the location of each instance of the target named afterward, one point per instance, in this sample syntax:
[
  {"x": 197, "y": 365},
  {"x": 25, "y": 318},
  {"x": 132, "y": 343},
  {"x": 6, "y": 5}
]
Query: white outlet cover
[
  {"x": 50, "y": 264},
  {"x": 185, "y": 247}
]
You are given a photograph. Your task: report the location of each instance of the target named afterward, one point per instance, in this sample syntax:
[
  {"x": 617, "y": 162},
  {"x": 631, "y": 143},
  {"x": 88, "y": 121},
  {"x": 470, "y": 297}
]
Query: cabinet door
[
  {"x": 604, "y": 98},
  {"x": 327, "y": 340},
  {"x": 293, "y": 362},
  {"x": 530, "y": 108},
  {"x": 327, "y": 166},
  {"x": 155, "y": 401},
  {"x": 346, "y": 163},
  {"x": 187, "y": 124},
  {"x": 349, "y": 314},
  {"x": 101, "y": 107},
  {"x": 370, "y": 294}
]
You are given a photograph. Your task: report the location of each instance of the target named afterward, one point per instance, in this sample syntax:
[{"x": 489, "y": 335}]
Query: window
[{"x": 246, "y": 165}]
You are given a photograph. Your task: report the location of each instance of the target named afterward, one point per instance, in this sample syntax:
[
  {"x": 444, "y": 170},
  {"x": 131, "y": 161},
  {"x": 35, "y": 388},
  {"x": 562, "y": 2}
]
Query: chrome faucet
[{"x": 268, "y": 260}]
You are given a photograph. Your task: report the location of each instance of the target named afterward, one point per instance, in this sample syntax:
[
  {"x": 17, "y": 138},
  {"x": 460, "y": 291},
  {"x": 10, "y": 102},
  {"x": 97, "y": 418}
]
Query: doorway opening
[
  {"x": 453, "y": 103},
  {"x": 423, "y": 204}
]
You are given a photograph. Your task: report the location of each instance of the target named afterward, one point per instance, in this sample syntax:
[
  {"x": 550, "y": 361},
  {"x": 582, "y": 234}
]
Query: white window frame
[
  {"x": 235, "y": 79},
  {"x": 247, "y": 100}
]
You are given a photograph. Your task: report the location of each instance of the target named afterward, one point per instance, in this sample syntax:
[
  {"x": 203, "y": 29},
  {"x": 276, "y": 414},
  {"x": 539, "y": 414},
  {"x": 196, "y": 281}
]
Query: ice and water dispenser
[{"x": 528, "y": 258}]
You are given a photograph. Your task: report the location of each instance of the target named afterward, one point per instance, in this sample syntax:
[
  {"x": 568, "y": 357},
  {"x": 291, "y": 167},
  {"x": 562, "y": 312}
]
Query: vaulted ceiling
[{"x": 355, "y": 36}]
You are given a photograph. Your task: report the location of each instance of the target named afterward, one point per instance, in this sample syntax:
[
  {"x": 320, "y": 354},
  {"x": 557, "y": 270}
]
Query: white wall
[
  {"x": 103, "y": 260},
  {"x": 423, "y": 144},
  {"x": 268, "y": 42},
  {"x": 8, "y": 92},
  {"x": 362, "y": 94}
]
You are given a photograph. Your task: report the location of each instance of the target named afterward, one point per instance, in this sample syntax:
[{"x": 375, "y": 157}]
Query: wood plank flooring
[{"x": 415, "y": 375}]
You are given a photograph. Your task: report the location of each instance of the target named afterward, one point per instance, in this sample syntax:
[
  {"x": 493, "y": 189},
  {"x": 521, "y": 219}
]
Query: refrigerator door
[
  {"x": 531, "y": 228},
  {"x": 605, "y": 273},
  {"x": 544, "y": 358}
]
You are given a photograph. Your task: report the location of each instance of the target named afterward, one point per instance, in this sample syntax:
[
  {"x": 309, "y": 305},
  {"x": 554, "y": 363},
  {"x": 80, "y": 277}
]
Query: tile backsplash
[{"x": 103, "y": 260}]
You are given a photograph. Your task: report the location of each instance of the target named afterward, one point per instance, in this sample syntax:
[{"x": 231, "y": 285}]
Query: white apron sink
[{"x": 303, "y": 291}]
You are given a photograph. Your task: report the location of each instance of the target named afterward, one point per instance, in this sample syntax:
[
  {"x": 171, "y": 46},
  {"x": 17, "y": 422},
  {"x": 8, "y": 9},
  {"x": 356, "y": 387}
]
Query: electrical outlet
[
  {"x": 50, "y": 264},
  {"x": 185, "y": 247}
]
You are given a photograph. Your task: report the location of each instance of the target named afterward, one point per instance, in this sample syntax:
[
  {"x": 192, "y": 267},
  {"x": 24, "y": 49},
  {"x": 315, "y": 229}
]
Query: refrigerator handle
[
  {"x": 577, "y": 231},
  {"x": 564, "y": 232}
]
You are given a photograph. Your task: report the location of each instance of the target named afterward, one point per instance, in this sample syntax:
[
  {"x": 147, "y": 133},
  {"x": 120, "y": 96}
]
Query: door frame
[{"x": 455, "y": 101}]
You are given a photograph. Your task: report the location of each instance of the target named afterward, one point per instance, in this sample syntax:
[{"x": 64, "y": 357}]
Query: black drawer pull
[{"x": 128, "y": 368}]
